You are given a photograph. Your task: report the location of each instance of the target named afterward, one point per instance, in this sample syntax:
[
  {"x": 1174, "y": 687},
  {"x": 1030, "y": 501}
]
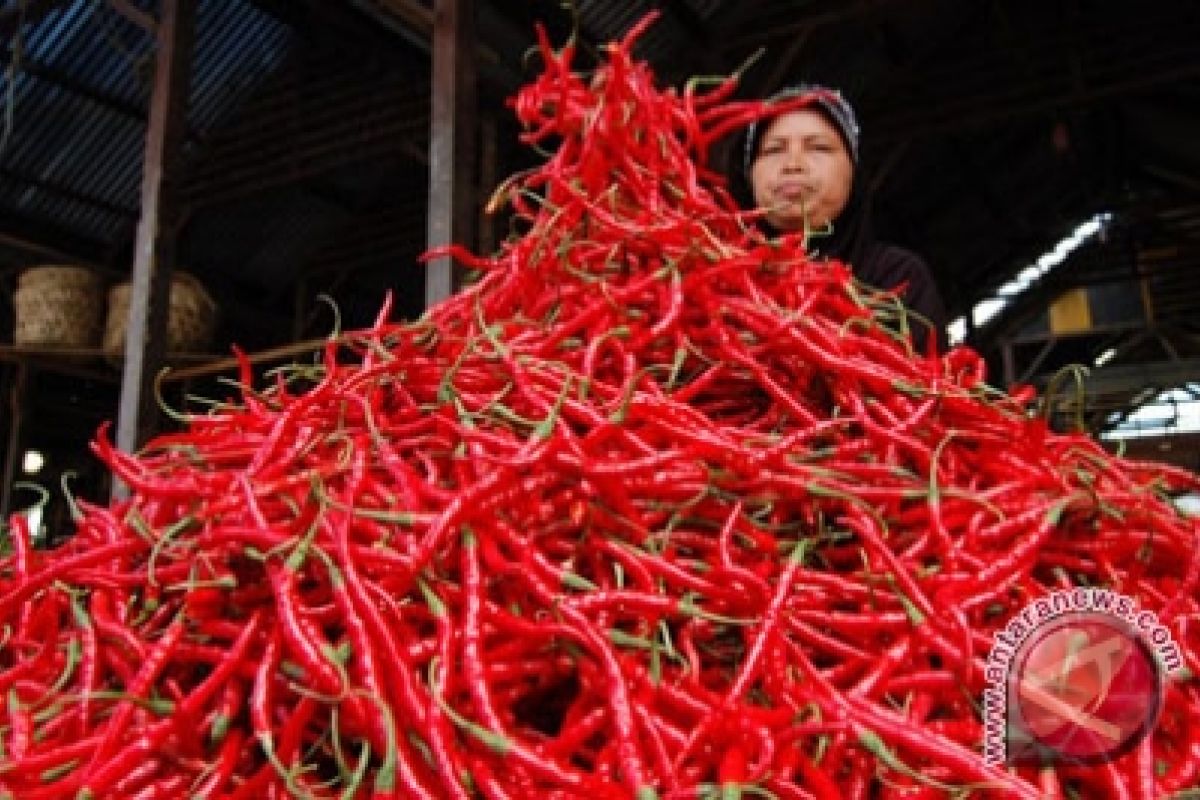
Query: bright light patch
[
  {"x": 987, "y": 309},
  {"x": 32, "y": 462},
  {"x": 34, "y": 521},
  {"x": 1173, "y": 411},
  {"x": 1189, "y": 504},
  {"x": 957, "y": 330}
]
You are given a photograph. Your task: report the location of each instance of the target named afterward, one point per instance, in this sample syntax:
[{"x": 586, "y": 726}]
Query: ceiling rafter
[
  {"x": 40, "y": 239},
  {"x": 1172, "y": 299},
  {"x": 301, "y": 157},
  {"x": 34, "y": 68},
  {"x": 973, "y": 109},
  {"x": 65, "y": 192},
  {"x": 316, "y": 115}
]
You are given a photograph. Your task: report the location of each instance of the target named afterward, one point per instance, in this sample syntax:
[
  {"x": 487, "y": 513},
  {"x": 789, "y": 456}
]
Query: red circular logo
[{"x": 1083, "y": 688}]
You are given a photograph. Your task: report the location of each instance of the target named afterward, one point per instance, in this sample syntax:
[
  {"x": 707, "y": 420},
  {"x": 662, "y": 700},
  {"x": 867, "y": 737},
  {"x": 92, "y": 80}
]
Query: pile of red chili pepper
[{"x": 657, "y": 508}]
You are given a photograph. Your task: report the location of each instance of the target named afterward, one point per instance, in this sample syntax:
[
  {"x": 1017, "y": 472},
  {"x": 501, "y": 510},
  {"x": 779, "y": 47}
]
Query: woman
[{"x": 801, "y": 167}]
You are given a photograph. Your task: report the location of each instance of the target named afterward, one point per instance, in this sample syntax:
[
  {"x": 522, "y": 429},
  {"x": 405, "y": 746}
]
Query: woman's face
[{"x": 801, "y": 172}]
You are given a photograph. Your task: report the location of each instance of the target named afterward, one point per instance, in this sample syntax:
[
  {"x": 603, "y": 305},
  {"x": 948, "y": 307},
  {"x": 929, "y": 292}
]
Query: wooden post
[
  {"x": 154, "y": 253},
  {"x": 18, "y": 395},
  {"x": 451, "y": 140},
  {"x": 1010, "y": 365},
  {"x": 489, "y": 145}
]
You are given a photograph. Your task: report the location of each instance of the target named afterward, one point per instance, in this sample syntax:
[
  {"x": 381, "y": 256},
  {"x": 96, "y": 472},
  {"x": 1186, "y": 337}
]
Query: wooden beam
[
  {"x": 406, "y": 18},
  {"x": 154, "y": 253},
  {"x": 135, "y": 15},
  {"x": 42, "y": 239},
  {"x": 451, "y": 140},
  {"x": 232, "y": 363},
  {"x": 412, "y": 14},
  {"x": 415, "y": 23},
  {"x": 1131, "y": 378}
]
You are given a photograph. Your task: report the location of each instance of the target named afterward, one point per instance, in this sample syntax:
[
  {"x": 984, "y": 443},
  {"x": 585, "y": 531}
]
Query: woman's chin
[{"x": 789, "y": 223}]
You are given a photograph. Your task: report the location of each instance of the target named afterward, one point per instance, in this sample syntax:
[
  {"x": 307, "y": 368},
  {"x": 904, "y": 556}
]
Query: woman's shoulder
[{"x": 889, "y": 266}]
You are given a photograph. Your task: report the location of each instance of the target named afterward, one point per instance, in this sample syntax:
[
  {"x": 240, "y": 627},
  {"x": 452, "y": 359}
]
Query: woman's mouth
[{"x": 794, "y": 192}]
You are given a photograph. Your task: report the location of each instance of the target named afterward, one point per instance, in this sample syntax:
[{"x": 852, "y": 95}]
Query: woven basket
[
  {"x": 58, "y": 306},
  {"x": 191, "y": 318}
]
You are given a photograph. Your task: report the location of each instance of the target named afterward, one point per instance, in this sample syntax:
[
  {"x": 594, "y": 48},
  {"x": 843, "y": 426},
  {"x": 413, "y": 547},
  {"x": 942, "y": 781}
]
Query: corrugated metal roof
[
  {"x": 80, "y": 84},
  {"x": 609, "y": 21}
]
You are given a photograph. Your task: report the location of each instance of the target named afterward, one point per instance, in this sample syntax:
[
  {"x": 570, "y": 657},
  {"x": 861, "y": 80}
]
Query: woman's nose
[{"x": 794, "y": 159}]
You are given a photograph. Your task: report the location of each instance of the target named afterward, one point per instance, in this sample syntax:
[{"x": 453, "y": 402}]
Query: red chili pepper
[
  {"x": 62, "y": 568},
  {"x": 551, "y": 523},
  {"x": 878, "y": 725},
  {"x": 302, "y": 640},
  {"x": 101, "y": 773}
]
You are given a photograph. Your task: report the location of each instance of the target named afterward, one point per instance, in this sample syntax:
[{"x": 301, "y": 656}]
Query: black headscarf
[{"x": 852, "y": 237}]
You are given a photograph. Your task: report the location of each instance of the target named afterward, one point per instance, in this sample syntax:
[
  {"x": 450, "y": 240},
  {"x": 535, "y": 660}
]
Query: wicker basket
[
  {"x": 58, "y": 306},
  {"x": 191, "y": 320}
]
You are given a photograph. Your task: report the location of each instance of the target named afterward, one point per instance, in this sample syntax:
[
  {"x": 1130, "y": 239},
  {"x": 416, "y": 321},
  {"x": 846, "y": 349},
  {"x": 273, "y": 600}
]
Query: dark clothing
[{"x": 889, "y": 267}]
